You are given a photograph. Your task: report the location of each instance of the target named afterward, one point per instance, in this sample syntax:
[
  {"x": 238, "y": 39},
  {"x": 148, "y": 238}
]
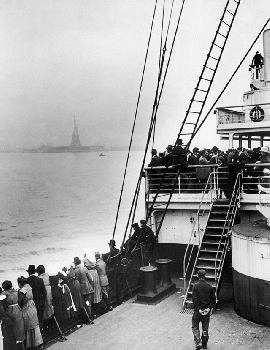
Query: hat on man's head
[
  {"x": 169, "y": 147},
  {"x": 77, "y": 260},
  {"x": 31, "y": 269},
  {"x": 201, "y": 273},
  {"x": 143, "y": 222},
  {"x": 179, "y": 141},
  {"x": 112, "y": 242}
]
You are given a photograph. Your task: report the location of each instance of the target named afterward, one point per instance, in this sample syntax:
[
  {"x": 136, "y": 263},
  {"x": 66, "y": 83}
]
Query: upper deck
[{"x": 193, "y": 185}]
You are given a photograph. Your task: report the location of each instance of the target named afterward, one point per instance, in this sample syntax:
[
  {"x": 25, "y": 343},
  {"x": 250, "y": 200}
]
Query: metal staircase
[
  {"x": 197, "y": 102},
  {"x": 215, "y": 242}
]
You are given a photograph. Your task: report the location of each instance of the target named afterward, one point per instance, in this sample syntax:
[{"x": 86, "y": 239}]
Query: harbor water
[{"x": 55, "y": 206}]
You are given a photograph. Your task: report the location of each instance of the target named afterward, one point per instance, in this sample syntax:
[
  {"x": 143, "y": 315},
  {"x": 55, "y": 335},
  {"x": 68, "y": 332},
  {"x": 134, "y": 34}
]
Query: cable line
[{"x": 134, "y": 122}]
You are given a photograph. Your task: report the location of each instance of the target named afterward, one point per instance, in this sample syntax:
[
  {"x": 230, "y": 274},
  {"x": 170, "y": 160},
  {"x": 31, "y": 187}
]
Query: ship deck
[{"x": 133, "y": 326}]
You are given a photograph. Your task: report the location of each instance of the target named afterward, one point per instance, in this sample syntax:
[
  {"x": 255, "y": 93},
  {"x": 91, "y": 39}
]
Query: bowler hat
[
  {"x": 31, "y": 269},
  {"x": 179, "y": 141},
  {"x": 77, "y": 260},
  {"x": 112, "y": 242}
]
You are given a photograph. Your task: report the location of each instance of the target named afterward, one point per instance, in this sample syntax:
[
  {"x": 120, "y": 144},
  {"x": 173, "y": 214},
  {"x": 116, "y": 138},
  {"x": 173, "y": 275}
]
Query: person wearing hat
[
  {"x": 179, "y": 155},
  {"x": 85, "y": 279},
  {"x": 48, "y": 312},
  {"x": 14, "y": 312},
  {"x": 166, "y": 160},
  {"x": 153, "y": 172},
  {"x": 204, "y": 299},
  {"x": 146, "y": 242},
  {"x": 39, "y": 293},
  {"x": 101, "y": 270},
  {"x": 257, "y": 63},
  {"x": 155, "y": 160},
  {"x": 113, "y": 251}
]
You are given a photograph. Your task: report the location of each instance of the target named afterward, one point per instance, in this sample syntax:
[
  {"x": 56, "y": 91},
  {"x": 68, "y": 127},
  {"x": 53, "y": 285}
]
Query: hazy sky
[{"x": 84, "y": 58}]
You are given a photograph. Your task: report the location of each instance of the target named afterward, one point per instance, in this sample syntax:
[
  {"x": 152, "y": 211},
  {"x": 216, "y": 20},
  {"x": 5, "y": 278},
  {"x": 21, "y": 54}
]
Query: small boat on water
[
  {"x": 101, "y": 155},
  {"x": 196, "y": 222}
]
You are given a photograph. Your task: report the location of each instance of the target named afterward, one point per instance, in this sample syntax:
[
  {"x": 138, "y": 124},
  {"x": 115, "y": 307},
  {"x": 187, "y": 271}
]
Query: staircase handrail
[
  {"x": 209, "y": 182},
  {"x": 234, "y": 203}
]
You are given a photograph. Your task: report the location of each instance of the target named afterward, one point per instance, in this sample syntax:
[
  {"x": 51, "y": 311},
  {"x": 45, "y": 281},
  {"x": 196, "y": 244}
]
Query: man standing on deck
[
  {"x": 257, "y": 63},
  {"x": 146, "y": 242},
  {"x": 39, "y": 293},
  {"x": 179, "y": 155},
  {"x": 86, "y": 283},
  {"x": 203, "y": 298},
  {"x": 104, "y": 282},
  {"x": 113, "y": 251}
]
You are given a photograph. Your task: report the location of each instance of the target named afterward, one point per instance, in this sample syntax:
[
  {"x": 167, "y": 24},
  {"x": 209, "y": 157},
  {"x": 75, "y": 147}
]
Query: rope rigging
[
  {"x": 135, "y": 118},
  {"x": 227, "y": 84},
  {"x": 157, "y": 98}
]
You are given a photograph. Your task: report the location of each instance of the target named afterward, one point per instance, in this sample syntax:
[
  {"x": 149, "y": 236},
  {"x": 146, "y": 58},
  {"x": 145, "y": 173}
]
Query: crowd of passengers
[
  {"x": 229, "y": 164},
  {"x": 39, "y": 303}
]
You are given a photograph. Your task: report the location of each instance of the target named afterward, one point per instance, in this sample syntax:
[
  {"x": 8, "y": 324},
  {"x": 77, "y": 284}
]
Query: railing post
[
  {"x": 147, "y": 186},
  {"x": 179, "y": 185}
]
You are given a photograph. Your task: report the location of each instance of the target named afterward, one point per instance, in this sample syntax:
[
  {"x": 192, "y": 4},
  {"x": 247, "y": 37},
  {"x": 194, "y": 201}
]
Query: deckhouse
[{"x": 250, "y": 121}]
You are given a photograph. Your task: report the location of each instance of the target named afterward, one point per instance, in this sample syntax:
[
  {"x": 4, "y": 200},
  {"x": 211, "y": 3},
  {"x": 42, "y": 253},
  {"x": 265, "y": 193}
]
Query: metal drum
[
  {"x": 164, "y": 272},
  {"x": 251, "y": 266}
]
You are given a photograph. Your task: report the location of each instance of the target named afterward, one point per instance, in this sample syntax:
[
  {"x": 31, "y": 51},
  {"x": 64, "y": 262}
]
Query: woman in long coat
[
  {"x": 14, "y": 311},
  {"x": 68, "y": 276},
  {"x": 96, "y": 281},
  {"x": 33, "y": 336},
  {"x": 9, "y": 341},
  {"x": 48, "y": 312}
]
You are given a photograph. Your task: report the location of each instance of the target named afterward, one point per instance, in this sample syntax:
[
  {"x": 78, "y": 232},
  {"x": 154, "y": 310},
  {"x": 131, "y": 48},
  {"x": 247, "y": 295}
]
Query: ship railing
[
  {"x": 252, "y": 179},
  {"x": 191, "y": 181},
  {"x": 234, "y": 205},
  {"x": 264, "y": 189},
  {"x": 205, "y": 205}
]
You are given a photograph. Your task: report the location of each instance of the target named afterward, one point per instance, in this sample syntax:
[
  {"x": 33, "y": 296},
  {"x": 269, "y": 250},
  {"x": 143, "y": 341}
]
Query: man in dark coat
[
  {"x": 257, "y": 63},
  {"x": 155, "y": 160},
  {"x": 203, "y": 297},
  {"x": 154, "y": 173},
  {"x": 39, "y": 293},
  {"x": 167, "y": 157},
  {"x": 179, "y": 155},
  {"x": 146, "y": 241},
  {"x": 113, "y": 250}
]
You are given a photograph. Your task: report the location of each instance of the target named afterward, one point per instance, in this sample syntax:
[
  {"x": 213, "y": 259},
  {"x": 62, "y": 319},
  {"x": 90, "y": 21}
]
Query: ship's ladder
[
  {"x": 214, "y": 244},
  {"x": 194, "y": 112},
  {"x": 206, "y": 78}
]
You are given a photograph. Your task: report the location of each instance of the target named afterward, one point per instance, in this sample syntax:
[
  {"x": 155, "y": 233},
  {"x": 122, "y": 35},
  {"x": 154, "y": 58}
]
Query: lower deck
[{"x": 136, "y": 326}]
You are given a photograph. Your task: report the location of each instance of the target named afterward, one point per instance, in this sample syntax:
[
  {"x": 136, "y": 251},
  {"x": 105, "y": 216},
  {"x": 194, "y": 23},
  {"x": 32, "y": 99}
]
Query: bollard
[
  {"x": 149, "y": 280},
  {"x": 164, "y": 272}
]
